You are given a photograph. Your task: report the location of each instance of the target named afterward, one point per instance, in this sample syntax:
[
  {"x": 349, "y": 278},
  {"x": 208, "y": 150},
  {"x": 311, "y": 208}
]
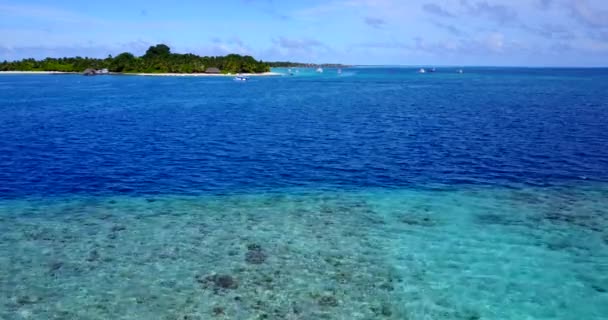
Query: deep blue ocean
[
  {"x": 368, "y": 127},
  {"x": 374, "y": 193}
]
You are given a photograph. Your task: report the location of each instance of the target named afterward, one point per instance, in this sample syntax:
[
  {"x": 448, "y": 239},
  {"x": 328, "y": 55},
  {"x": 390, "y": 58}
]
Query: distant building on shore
[
  {"x": 93, "y": 72},
  {"x": 89, "y": 72},
  {"x": 212, "y": 70}
]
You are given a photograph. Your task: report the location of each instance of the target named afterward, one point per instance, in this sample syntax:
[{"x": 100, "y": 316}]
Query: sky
[{"x": 380, "y": 32}]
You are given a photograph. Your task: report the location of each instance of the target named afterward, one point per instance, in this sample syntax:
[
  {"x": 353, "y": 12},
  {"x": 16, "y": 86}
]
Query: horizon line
[{"x": 449, "y": 66}]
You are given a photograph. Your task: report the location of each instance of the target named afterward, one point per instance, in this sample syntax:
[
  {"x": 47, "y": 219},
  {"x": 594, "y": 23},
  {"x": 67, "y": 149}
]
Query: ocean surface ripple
[{"x": 378, "y": 127}]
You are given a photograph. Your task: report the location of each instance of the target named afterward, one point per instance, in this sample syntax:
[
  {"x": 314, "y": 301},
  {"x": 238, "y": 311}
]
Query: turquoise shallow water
[{"x": 465, "y": 253}]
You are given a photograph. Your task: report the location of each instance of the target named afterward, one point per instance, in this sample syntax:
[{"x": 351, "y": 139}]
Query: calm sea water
[{"x": 376, "y": 193}]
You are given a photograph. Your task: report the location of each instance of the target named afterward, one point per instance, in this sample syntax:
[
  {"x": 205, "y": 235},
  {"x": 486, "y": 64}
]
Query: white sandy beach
[
  {"x": 155, "y": 74},
  {"x": 36, "y": 72}
]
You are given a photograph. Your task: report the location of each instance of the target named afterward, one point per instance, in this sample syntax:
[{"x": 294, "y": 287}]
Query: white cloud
[
  {"x": 45, "y": 13},
  {"x": 374, "y": 22},
  {"x": 219, "y": 46},
  {"x": 495, "y": 42},
  {"x": 593, "y": 16}
]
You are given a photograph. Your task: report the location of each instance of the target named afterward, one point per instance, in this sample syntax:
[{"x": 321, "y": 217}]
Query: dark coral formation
[
  {"x": 328, "y": 301},
  {"x": 218, "y": 311},
  {"x": 419, "y": 220},
  {"x": 384, "y": 310},
  {"x": 26, "y": 299},
  {"x": 218, "y": 282},
  {"x": 496, "y": 219},
  {"x": 117, "y": 228},
  {"x": 575, "y": 218},
  {"x": 55, "y": 266},
  {"x": 93, "y": 256},
  {"x": 255, "y": 254},
  {"x": 254, "y": 247}
]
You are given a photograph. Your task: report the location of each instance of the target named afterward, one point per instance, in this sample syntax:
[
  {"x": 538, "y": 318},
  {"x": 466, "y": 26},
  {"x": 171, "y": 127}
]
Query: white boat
[
  {"x": 421, "y": 70},
  {"x": 320, "y": 70},
  {"x": 239, "y": 78}
]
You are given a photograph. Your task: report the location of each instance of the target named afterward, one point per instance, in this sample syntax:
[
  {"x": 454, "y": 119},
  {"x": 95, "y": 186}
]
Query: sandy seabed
[{"x": 461, "y": 255}]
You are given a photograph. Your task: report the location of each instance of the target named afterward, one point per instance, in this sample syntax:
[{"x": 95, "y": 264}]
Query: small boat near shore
[{"x": 239, "y": 78}]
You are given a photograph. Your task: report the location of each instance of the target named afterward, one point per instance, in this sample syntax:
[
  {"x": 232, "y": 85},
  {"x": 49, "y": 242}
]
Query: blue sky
[{"x": 414, "y": 32}]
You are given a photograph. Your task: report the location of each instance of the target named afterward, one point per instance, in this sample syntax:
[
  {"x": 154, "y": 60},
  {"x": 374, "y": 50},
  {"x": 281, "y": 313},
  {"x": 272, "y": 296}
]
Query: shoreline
[
  {"x": 37, "y": 72},
  {"x": 264, "y": 74}
]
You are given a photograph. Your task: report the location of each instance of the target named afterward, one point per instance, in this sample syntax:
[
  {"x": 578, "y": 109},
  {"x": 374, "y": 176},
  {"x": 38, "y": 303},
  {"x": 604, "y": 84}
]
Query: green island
[{"x": 157, "y": 59}]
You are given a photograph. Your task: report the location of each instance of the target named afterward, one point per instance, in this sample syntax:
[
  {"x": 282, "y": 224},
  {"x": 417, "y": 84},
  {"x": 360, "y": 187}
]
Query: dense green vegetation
[{"x": 158, "y": 59}]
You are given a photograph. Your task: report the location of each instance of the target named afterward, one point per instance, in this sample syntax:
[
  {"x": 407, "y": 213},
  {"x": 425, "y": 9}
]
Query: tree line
[{"x": 157, "y": 59}]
